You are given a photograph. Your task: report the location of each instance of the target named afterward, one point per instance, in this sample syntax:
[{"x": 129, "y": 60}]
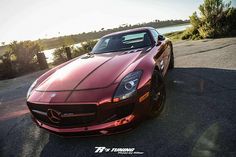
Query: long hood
[{"x": 89, "y": 72}]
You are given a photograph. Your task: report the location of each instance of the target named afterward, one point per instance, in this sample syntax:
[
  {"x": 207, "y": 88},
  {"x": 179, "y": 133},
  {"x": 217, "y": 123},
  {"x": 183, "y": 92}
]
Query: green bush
[
  {"x": 24, "y": 53},
  {"x": 85, "y": 48},
  {"x": 61, "y": 54},
  {"x": 174, "y": 35},
  {"x": 217, "y": 19},
  {"x": 20, "y": 58}
]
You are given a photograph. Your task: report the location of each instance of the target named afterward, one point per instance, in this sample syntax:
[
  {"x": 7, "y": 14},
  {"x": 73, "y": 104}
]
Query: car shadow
[{"x": 198, "y": 120}]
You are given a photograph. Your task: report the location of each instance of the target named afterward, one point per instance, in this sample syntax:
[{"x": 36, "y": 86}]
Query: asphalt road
[{"x": 199, "y": 118}]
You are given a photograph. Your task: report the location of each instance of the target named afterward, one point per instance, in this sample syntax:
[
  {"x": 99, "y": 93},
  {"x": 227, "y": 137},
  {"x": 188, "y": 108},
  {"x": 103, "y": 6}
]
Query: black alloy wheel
[{"x": 157, "y": 94}]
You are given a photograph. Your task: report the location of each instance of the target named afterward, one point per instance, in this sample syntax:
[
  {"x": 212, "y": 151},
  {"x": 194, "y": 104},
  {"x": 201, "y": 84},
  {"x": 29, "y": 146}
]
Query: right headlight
[{"x": 128, "y": 86}]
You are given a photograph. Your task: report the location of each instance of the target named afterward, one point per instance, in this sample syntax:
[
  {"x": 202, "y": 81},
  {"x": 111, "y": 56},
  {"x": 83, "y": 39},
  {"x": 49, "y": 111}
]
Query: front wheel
[{"x": 157, "y": 94}]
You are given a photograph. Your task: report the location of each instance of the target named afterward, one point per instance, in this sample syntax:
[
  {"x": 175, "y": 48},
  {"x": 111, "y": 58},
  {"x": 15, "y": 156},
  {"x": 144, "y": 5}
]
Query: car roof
[{"x": 130, "y": 30}]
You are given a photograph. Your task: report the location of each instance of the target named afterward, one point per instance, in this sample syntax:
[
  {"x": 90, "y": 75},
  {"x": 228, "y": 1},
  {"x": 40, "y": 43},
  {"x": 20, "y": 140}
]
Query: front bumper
[
  {"x": 114, "y": 127},
  {"x": 110, "y": 118},
  {"x": 98, "y": 118}
]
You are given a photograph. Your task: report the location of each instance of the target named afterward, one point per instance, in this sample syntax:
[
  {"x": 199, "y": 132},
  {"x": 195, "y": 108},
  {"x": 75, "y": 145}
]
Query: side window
[{"x": 154, "y": 34}]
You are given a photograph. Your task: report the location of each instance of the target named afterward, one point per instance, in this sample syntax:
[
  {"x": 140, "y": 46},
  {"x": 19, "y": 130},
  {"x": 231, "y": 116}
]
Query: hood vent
[
  {"x": 132, "y": 51},
  {"x": 89, "y": 55}
]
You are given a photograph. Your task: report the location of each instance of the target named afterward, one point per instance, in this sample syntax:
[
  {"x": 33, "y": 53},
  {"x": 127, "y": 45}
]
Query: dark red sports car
[{"x": 107, "y": 90}]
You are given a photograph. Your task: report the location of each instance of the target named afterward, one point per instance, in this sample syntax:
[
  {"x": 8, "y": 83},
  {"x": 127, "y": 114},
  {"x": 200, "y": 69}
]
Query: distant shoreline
[{"x": 56, "y": 42}]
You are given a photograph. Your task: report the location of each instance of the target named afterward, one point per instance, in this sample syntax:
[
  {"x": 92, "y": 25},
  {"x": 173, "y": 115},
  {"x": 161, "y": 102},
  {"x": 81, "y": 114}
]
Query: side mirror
[
  {"x": 161, "y": 37},
  {"x": 90, "y": 48}
]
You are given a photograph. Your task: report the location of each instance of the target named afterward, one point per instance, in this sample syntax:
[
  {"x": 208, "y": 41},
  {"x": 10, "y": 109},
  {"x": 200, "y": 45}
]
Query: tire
[
  {"x": 172, "y": 60},
  {"x": 157, "y": 94}
]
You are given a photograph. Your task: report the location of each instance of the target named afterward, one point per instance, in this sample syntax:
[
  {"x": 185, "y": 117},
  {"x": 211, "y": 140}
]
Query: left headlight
[
  {"x": 31, "y": 88},
  {"x": 128, "y": 86}
]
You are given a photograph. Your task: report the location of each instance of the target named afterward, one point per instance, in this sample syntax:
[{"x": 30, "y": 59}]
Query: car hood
[{"x": 89, "y": 72}]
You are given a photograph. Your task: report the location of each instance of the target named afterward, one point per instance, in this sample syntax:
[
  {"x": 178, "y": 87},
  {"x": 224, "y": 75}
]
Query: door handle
[{"x": 162, "y": 64}]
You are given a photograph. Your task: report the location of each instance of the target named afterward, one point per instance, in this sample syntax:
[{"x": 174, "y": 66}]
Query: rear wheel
[{"x": 157, "y": 94}]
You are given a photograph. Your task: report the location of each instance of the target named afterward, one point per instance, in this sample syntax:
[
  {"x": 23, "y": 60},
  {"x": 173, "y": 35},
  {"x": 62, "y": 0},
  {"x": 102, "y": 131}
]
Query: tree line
[{"x": 81, "y": 37}]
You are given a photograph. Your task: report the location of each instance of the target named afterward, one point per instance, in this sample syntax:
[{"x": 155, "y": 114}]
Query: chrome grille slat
[{"x": 40, "y": 112}]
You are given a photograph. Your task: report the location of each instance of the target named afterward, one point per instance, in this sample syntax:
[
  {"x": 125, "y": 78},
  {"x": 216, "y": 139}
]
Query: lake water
[
  {"x": 170, "y": 29},
  {"x": 49, "y": 53}
]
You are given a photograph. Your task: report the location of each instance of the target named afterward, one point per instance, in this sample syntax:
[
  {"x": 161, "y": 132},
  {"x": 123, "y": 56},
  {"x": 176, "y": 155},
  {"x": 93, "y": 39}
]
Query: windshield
[{"x": 121, "y": 42}]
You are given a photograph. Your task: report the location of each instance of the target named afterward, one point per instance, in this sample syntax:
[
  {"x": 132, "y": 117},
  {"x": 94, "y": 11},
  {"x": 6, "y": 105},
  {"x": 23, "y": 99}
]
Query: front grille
[{"x": 71, "y": 115}]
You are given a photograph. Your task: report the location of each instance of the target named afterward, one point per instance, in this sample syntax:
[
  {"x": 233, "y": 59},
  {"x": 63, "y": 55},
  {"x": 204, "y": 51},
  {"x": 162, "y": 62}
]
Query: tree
[
  {"x": 6, "y": 66},
  {"x": 213, "y": 13},
  {"x": 21, "y": 57},
  {"x": 25, "y": 54},
  {"x": 216, "y": 20}
]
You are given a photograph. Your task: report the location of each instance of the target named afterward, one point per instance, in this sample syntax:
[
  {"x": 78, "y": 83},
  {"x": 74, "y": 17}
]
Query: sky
[{"x": 34, "y": 19}]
